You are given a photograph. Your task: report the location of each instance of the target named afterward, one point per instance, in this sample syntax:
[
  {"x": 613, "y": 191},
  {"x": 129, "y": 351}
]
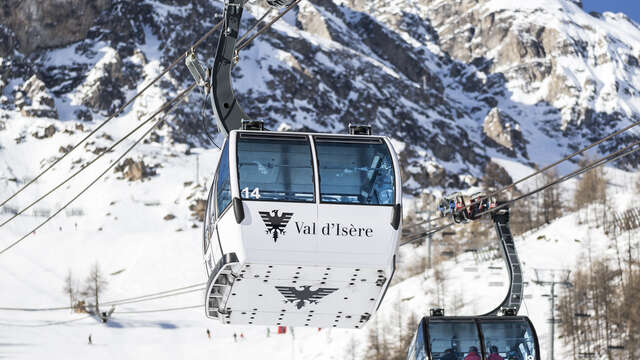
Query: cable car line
[
  {"x": 154, "y": 298},
  {"x": 266, "y": 27},
  {"x": 255, "y": 25},
  {"x": 168, "y": 293},
  {"x": 43, "y": 324},
  {"x": 112, "y": 116},
  {"x": 157, "y": 293},
  {"x": 158, "y": 122},
  {"x": 628, "y": 150},
  {"x": 159, "y": 310},
  {"x": 2, "y": 323},
  {"x": 84, "y": 167},
  {"x": 548, "y": 167}
]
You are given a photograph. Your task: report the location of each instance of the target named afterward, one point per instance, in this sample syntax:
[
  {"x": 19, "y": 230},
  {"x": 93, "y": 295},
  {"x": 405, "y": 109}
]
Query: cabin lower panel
[{"x": 314, "y": 296}]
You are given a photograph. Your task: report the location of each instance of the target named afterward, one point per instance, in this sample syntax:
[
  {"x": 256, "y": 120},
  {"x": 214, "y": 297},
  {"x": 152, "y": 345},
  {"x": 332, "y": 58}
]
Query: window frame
[
  {"x": 309, "y": 141},
  {"x": 479, "y": 321},
  {"x": 465, "y": 320},
  {"x": 525, "y": 321},
  {"x": 207, "y": 215},
  {"x": 219, "y": 214},
  {"x": 356, "y": 140}
]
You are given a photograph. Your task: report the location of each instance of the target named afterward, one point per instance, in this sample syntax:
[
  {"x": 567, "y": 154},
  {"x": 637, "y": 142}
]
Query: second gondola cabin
[
  {"x": 301, "y": 229},
  {"x": 474, "y": 337}
]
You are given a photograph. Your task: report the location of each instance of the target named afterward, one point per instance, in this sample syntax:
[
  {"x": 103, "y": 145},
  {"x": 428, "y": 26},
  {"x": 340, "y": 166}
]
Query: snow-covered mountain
[{"x": 456, "y": 84}]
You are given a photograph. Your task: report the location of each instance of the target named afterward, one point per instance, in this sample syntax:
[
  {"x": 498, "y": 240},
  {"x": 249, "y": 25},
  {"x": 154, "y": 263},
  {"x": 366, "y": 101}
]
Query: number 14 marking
[{"x": 255, "y": 193}]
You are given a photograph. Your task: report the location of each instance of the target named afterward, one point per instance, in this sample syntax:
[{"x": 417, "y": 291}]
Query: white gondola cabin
[{"x": 301, "y": 229}]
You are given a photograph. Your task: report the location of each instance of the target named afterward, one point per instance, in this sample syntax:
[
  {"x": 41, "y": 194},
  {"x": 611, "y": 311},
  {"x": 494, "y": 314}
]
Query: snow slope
[{"x": 122, "y": 228}]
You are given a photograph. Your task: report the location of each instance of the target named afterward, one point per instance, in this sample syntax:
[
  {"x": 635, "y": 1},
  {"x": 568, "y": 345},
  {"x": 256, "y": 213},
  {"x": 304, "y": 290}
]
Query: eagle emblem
[
  {"x": 299, "y": 297},
  {"x": 275, "y": 223}
]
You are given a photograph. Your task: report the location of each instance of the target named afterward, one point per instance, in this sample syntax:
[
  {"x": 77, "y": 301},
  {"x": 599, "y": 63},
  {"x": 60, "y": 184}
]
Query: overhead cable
[
  {"x": 158, "y": 122},
  {"x": 112, "y": 116},
  {"x": 628, "y": 150},
  {"x": 548, "y": 167}
]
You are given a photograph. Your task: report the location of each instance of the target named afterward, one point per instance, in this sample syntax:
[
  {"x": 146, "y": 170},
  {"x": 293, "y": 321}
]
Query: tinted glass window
[
  {"x": 411, "y": 353},
  {"x": 355, "y": 173},
  {"x": 417, "y": 350},
  {"x": 275, "y": 169},
  {"x": 208, "y": 220},
  {"x": 508, "y": 340},
  {"x": 454, "y": 340},
  {"x": 223, "y": 184},
  {"x": 421, "y": 351}
]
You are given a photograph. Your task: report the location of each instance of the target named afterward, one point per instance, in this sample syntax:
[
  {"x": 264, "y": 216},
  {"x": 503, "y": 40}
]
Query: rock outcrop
[
  {"x": 46, "y": 132},
  {"x": 34, "y": 100},
  {"x": 198, "y": 209},
  {"x": 135, "y": 170},
  {"x": 503, "y": 131},
  {"x": 105, "y": 84},
  {"x": 39, "y": 24}
]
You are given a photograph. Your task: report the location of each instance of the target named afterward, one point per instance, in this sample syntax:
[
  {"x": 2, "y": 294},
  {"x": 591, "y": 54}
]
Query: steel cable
[
  {"x": 266, "y": 27},
  {"x": 162, "y": 108},
  {"x": 167, "y": 293},
  {"x": 628, "y": 150},
  {"x": 82, "y": 168},
  {"x": 43, "y": 324},
  {"x": 112, "y": 116},
  {"x": 548, "y": 167},
  {"x": 159, "y": 310},
  {"x": 255, "y": 25}
]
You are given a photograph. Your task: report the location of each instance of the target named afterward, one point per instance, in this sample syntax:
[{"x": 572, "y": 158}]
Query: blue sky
[{"x": 629, "y": 7}]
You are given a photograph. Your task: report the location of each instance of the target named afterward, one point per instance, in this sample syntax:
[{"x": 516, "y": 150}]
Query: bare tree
[
  {"x": 70, "y": 289},
  {"x": 440, "y": 280},
  {"x": 376, "y": 349},
  {"x": 95, "y": 285},
  {"x": 591, "y": 188},
  {"x": 600, "y": 315},
  {"x": 352, "y": 348},
  {"x": 551, "y": 201},
  {"x": 457, "y": 302}
]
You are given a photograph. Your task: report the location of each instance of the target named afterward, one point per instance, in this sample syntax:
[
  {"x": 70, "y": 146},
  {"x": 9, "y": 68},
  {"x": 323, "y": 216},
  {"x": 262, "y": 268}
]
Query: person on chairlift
[
  {"x": 473, "y": 354},
  {"x": 494, "y": 353}
]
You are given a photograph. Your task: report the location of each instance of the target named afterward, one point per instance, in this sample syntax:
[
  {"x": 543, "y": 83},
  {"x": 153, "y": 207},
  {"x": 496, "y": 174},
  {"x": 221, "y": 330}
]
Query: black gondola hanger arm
[{"x": 228, "y": 111}]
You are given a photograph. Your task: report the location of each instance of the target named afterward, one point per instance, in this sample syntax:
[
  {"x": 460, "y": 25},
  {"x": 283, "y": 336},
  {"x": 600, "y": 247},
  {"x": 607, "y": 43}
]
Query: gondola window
[
  {"x": 223, "y": 186},
  {"x": 510, "y": 339},
  {"x": 453, "y": 340},
  {"x": 355, "y": 172},
  {"x": 275, "y": 169}
]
